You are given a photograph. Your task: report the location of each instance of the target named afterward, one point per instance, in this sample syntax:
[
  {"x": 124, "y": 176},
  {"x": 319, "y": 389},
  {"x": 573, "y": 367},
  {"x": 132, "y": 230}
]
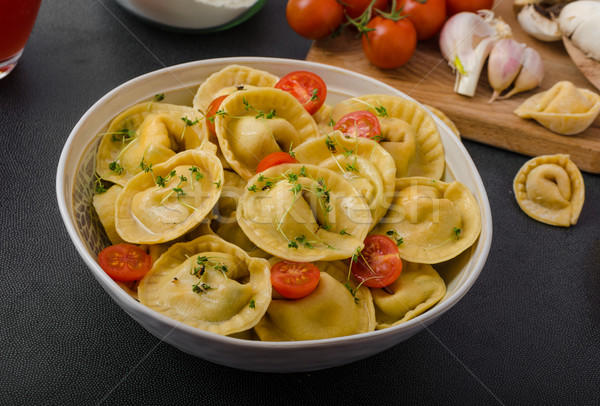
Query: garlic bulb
[
  {"x": 580, "y": 21},
  {"x": 537, "y": 25},
  {"x": 504, "y": 65}
]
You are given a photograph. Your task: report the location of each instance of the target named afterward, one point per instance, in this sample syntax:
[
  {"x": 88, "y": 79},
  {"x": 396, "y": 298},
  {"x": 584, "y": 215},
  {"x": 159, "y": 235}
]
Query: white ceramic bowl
[
  {"x": 179, "y": 83},
  {"x": 195, "y": 15}
]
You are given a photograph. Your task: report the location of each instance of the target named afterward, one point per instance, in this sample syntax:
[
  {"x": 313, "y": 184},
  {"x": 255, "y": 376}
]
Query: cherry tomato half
[
  {"x": 360, "y": 124},
  {"x": 457, "y": 6},
  {"x": 125, "y": 262},
  {"x": 428, "y": 16},
  {"x": 314, "y": 19},
  {"x": 294, "y": 280},
  {"x": 354, "y": 8},
  {"x": 211, "y": 112},
  {"x": 379, "y": 264},
  {"x": 307, "y": 87},
  {"x": 389, "y": 44},
  {"x": 273, "y": 159}
]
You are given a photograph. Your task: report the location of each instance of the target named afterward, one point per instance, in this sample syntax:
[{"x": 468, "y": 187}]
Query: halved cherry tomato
[
  {"x": 294, "y": 280},
  {"x": 314, "y": 19},
  {"x": 307, "y": 87},
  {"x": 428, "y": 16},
  {"x": 211, "y": 112},
  {"x": 275, "y": 158},
  {"x": 354, "y": 8},
  {"x": 379, "y": 263},
  {"x": 125, "y": 262},
  {"x": 359, "y": 124}
]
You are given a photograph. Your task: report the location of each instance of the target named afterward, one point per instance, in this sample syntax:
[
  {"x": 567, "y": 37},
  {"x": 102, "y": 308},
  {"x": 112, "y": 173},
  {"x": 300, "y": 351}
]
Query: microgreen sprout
[{"x": 396, "y": 237}]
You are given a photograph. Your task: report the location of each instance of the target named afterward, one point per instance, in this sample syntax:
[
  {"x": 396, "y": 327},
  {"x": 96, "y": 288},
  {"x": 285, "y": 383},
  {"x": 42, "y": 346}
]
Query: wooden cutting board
[{"x": 428, "y": 78}]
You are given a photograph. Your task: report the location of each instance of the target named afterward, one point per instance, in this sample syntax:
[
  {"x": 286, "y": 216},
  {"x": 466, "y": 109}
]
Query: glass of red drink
[{"x": 17, "y": 18}]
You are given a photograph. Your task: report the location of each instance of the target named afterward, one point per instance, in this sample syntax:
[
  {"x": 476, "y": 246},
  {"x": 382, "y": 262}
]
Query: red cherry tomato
[
  {"x": 360, "y": 124},
  {"x": 378, "y": 264},
  {"x": 294, "y": 280},
  {"x": 125, "y": 262},
  {"x": 428, "y": 16},
  {"x": 457, "y": 6},
  {"x": 308, "y": 88},
  {"x": 211, "y": 112},
  {"x": 275, "y": 158},
  {"x": 314, "y": 19},
  {"x": 354, "y": 8},
  {"x": 390, "y": 44}
]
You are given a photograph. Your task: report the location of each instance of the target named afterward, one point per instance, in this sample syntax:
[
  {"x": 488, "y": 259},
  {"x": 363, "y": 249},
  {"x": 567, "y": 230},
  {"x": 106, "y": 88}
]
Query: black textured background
[{"x": 527, "y": 333}]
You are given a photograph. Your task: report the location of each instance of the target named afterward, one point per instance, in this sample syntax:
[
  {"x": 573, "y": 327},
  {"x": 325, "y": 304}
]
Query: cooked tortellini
[
  {"x": 550, "y": 189},
  {"x": 418, "y": 288},
  {"x": 258, "y": 122},
  {"x": 331, "y": 310},
  {"x": 104, "y": 204},
  {"x": 228, "y": 80},
  {"x": 361, "y": 161},
  {"x": 146, "y": 134},
  {"x": 435, "y": 220},
  {"x": 209, "y": 284},
  {"x": 304, "y": 213},
  {"x": 169, "y": 201},
  {"x": 408, "y": 133},
  {"x": 563, "y": 108}
]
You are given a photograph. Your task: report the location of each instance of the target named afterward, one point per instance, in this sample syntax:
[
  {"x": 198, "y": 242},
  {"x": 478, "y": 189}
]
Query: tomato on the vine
[
  {"x": 211, "y": 112},
  {"x": 354, "y": 8},
  {"x": 389, "y": 44},
  {"x": 275, "y": 158},
  {"x": 457, "y": 6},
  {"x": 378, "y": 264},
  {"x": 359, "y": 124},
  {"x": 124, "y": 262},
  {"x": 307, "y": 87},
  {"x": 314, "y": 19},
  {"x": 428, "y": 16},
  {"x": 294, "y": 280}
]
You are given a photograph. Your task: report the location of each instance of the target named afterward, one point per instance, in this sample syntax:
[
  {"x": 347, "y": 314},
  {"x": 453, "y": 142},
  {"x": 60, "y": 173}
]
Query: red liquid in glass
[{"x": 16, "y": 22}]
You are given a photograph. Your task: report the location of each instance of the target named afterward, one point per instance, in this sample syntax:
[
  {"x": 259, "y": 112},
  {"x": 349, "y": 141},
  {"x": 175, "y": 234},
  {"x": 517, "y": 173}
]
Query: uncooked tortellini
[{"x": 550, "y": 189}]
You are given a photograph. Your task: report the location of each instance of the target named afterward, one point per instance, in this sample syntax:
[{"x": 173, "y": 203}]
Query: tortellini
[
  {"x": 563, "y": 108},
  {"x": 550, "y": 189},
  {"x": 435, "y": 220},
  {"x": 209, "y": 284},
  {"x": 146, "y": 134},
  {"x": 257, "y": 122},
  {"x": 408, "y": 133},
  {"x": 304, "y": 213},
  {"x": 169, "y": 201},
  {"x": 331, "y": 310}
]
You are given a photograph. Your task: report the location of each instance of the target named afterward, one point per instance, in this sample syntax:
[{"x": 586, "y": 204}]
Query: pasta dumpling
[
  {"x": 331, "y": 310},
  {"x": 258, "y": 122},
  {"x": 550, "y": 189},
  {"x": 167, "y": 202},
  {"x": 418, "y": 288},
  {"x": 304, "y": 213},
  {"x": 144, "y": 136},
  {"x": 209, "y": 284},
  {"x": 563, "y": 108},
  {"x": 408, "y": 133},
  {"x": 361, "y": 161},
  {"x": 104, "y": 204},
  {"x": 435, "y": 220}
]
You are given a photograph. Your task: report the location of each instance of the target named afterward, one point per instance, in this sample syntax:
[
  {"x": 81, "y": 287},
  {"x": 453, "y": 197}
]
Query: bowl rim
[{"x": 129, "y": 304}]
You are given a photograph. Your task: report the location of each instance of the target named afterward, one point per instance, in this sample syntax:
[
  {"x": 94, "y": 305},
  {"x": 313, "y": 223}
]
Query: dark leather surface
[{"x": 527, "y": 333}]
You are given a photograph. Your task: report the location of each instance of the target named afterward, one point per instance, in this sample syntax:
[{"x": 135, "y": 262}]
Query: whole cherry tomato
[
  {"x": 428, "y": 16},
  {"x": 314, "y": 19},
  {"x": 307, "y": 87},
  {"x": 359, "y": 124},
  {"x": 354, "y": 8},
  {"x": 294, "y": 280},
  {"x": 457, "y": 6},
  {"x": 389, "y": 44},
  {"x": 275, "y": 158},
  {"x": 124, "y": 262},
  {"x": 379, "y": 263}
]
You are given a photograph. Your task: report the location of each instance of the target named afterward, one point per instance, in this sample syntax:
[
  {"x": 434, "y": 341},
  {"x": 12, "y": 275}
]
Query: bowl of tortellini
[{"x": 170, "y": 166}]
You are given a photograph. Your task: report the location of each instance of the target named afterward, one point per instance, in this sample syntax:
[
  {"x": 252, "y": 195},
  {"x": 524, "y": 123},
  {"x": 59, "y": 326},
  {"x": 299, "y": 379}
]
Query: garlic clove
[
  {"x": 531, "y": 74},
  {"x": 504, "y": 65},
  {"x": 537, "y": 25}
]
